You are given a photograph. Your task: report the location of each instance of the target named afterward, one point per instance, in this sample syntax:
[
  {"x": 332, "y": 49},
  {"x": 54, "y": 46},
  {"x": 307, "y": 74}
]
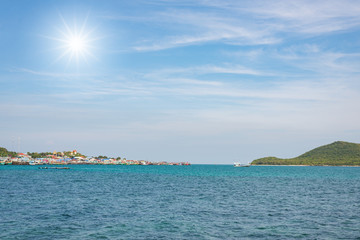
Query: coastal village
[{"x": 72, "y": 157}]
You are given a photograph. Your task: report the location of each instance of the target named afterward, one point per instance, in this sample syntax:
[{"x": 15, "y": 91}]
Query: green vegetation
[
  {"x": 65, "y": 154},
  {"x": 58, "y": 154},
  {"x": 5, "y": 153},
  {"x": 334, "y": 154},
  {"x": 39, "y": 155}
]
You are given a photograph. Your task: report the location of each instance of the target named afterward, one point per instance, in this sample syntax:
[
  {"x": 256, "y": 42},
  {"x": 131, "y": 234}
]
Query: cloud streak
[
  {"x": 49, "y": 74},
  {"x": 251, "y": 22}
]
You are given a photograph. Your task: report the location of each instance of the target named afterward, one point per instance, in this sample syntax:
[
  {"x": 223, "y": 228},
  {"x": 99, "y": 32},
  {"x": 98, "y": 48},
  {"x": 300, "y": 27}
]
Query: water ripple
[{"x": 189, "y": 202}]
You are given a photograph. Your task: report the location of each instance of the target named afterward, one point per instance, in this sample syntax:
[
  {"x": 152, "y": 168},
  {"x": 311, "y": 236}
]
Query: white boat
[{"x": 237, "y": 164}]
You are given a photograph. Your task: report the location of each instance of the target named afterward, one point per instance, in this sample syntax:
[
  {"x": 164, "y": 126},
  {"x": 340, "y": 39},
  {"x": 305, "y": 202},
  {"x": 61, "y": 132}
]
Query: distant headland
[
  {"x": 335, "y": 154},
  {"x": 69, "y": 157}
]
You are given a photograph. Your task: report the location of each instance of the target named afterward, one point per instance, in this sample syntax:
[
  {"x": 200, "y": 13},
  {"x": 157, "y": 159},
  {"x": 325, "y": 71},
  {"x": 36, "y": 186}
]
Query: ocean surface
[{"x": 180, "y": 202}]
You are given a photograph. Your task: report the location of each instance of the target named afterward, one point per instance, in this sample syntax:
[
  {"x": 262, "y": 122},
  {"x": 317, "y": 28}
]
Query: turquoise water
[{"x": 180, "y": 202}]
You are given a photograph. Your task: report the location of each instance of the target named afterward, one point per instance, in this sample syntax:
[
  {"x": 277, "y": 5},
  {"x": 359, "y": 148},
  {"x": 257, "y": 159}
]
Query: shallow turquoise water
[{"x": 180, "y": 202}]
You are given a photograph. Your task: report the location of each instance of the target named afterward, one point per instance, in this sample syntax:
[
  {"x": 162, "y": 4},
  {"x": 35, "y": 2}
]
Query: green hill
[
  {"x": 5, "y": 153},
  {"x": 334, "y": 154}
]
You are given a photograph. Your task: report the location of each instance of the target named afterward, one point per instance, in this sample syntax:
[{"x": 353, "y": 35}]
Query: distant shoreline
[
  {"x": 87, "y": 164},
  {"x": 94, "y": 164},
  {"x": 307, "y": 165}
]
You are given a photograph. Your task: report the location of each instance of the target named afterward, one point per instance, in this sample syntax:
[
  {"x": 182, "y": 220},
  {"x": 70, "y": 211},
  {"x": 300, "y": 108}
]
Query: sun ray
[{"x": 75, "y": 40}]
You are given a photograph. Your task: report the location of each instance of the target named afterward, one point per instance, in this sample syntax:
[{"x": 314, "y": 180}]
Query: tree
[{"x": 5, "y": 153}]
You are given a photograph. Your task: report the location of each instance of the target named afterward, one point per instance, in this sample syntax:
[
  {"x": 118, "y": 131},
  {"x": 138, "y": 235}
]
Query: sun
[
  {"x": 75, "y": 41},
  {"x": 77, "y": 44}
]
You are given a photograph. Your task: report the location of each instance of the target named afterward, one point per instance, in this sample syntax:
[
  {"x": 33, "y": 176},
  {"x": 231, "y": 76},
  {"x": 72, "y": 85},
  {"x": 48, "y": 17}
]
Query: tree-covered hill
[
  {"x": 334, "y": 154},
  {"x": 5, "y": 153}
]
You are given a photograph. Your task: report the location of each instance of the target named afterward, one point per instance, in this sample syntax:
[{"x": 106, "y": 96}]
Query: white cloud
[
  {"x": 252, "y": 22},
  {"x": 191, "y": 81},
  {"x": 200, "y": 27},
  {"x": 300, "y": 16},
  {"x": 236, "y": 69},
  {"x": 321, "y": 62},
  {"x": 47, "y": 74}
]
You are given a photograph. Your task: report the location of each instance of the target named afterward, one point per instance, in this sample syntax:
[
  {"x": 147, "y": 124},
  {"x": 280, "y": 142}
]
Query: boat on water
[
  {"x": 237, "y": 164},
  {"x": 54, "y": 168}
]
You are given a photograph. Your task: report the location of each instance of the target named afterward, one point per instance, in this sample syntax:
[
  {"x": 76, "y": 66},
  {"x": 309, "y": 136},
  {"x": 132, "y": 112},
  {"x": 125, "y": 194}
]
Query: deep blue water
[{"x": 180, "y": 202}]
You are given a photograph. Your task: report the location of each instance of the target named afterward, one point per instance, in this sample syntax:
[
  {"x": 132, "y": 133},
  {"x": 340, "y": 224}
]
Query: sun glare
[{"x": 75, "y": 42}]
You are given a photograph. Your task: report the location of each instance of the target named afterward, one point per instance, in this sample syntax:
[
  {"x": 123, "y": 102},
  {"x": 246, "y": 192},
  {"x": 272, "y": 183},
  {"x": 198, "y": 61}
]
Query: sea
[{"x": 179, "y": 202}]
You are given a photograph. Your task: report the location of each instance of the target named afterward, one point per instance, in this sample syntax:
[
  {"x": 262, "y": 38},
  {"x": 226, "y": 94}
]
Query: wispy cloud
[
  {"x": 307, "y": 16},
  {"x": 192, "y": 81},
  {"x": 319, "y": 61},
  {"x": 245, "y": 22},
  {"x": 208, "y": 27},
  {"x": 233, "y": 69},
  {"x": 314, "y": 17},
  {"x": 47, "y": 74},
  {"x": 205, "y": 69}
]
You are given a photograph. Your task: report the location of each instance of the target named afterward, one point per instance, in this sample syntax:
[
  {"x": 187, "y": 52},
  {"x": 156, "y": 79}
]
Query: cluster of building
[{"x": 25, "y": 159}]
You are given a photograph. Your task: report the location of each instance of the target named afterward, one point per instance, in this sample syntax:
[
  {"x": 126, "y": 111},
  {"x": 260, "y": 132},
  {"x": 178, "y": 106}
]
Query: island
[
  {"x": 335, "y": 154},
  {"x": 69, "y": 157}
]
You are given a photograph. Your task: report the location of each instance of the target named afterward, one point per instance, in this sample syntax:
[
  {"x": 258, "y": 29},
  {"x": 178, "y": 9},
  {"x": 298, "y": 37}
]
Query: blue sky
[{"x": 200, "y": 81}]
